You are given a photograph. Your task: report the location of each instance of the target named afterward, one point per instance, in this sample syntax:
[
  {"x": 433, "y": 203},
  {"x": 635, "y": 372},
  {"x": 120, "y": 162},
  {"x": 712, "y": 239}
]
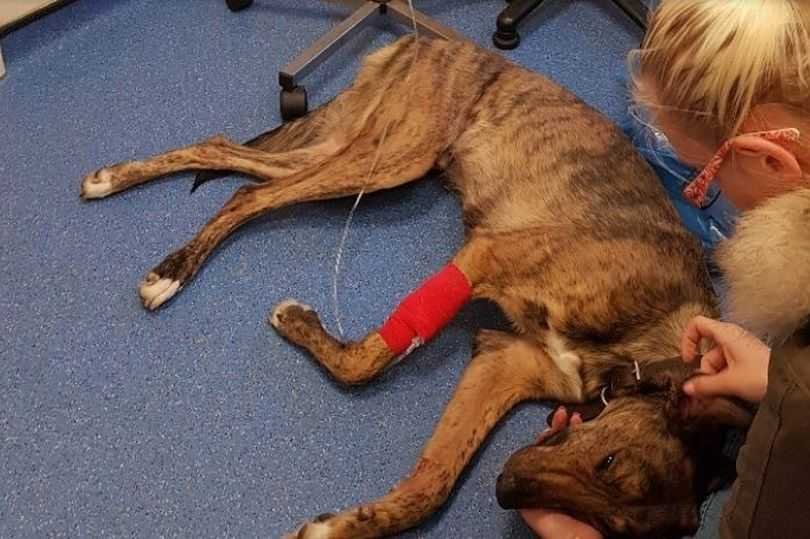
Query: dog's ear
[
  {"x": 690, "y": 415},
  {"x": 701, "y": 425},
  {"x": 720, "y": 411},
  {"x": 674, "y": 409},
  {"x": 713, "y": 412}
]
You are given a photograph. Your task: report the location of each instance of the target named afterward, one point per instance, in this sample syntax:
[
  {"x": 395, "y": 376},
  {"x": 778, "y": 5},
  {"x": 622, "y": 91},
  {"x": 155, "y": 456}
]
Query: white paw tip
[
  {"x": 155, "y": 291},
  {"x": 317, "y": 530},
  {"x": 97, "y": 185},
  {"x": 274, "y": 318}
]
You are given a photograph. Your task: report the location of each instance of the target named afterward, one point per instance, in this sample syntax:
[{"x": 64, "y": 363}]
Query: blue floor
[{"x": 198, "y": 420}]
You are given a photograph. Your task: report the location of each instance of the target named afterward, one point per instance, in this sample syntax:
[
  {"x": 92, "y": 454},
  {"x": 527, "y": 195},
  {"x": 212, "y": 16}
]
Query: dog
[{"x": 568, "y": 231}]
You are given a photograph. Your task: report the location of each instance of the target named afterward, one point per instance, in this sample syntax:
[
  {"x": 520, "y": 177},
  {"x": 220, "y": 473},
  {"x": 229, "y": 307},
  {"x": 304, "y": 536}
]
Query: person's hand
[
  {"x": 736, "y": 365},
  {"x": 549, "y": 524}
]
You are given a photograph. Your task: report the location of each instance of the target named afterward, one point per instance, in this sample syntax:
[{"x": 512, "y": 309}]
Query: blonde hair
[{"x": 714, "y": 61}]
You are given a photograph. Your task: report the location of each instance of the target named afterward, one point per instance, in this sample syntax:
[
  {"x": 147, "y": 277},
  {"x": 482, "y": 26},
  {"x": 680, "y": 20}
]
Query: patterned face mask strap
[{"x": 695, "y": 192}]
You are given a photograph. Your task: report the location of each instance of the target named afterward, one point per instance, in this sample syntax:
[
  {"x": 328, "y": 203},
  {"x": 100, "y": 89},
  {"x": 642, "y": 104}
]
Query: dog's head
[{"x": 638, "y": 468}]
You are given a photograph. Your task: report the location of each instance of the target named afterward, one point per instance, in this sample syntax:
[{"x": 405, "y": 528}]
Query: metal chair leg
[
  {"x": 506, "y": 36},
  {"x": 636, "y": 10},
  {"x": 316, "y": 53},
  {"x": 293, "y": 97},
  {"x": 238, "y": 5}
]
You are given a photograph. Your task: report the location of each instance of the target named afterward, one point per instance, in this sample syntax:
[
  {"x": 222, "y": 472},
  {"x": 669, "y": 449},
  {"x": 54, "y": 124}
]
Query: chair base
[
  {"x": 293, "y": 94},
  {"x": 238, "y": 5},
  {"x": 506, "y": 36}
]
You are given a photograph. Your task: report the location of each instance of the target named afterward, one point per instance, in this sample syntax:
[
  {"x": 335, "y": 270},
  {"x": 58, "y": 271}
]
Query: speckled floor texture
[{"x": 198, "y": 420}]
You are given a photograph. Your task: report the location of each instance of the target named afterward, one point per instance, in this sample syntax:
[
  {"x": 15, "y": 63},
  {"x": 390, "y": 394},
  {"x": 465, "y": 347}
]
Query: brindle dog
[{"x": 567, "y": 230}]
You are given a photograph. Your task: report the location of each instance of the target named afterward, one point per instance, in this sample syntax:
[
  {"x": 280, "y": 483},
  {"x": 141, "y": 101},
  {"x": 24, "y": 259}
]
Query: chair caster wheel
[
  {"x": 238, "y": 5},
  {"x": 293, "y": 103},
  {"x": 506, "y": 40}
]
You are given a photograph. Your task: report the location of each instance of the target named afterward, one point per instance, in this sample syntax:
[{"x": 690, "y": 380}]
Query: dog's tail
[
  {"x": 205, "y": 176},
  {"x": 766, "y": 266}
]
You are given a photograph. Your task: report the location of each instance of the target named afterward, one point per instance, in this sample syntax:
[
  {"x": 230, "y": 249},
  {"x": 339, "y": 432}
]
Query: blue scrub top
[{"x": 710, "y": 224}]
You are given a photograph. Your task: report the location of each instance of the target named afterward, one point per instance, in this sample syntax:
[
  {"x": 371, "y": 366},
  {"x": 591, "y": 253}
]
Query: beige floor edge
[{"x": 12, "y": 11}]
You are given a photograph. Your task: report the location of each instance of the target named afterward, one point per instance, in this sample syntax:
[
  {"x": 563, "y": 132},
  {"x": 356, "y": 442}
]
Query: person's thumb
[{"x": 710, "y": 385}]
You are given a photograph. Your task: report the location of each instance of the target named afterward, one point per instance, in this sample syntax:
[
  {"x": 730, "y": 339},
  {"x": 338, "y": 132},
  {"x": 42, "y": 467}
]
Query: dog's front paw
[
  {"x": 295, "y": 321},
  {"x": 98, "y": 184}
]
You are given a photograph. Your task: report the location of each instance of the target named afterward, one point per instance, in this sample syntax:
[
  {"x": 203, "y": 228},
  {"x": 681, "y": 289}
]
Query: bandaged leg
[
  {"x": 426, "y": 310},
  {"x": 415, "y": 321}
]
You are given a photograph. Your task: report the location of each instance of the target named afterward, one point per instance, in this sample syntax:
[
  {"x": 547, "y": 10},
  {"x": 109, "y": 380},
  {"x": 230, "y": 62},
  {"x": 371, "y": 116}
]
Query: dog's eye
[{"x": 605, "y": 463}]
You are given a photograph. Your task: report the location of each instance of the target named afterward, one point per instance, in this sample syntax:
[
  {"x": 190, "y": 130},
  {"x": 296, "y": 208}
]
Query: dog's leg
[
  {"x": 407, "y": 159},
  {"x": 290, "y": 148},
  {"x": 216, "y": 153},
  {"x": 356, "y": 363},
  {"x": 505, "y": 371},
  {"x": 310, "y": 130}
]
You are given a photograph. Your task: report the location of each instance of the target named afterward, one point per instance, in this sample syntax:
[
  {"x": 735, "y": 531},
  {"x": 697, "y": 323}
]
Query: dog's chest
[{"x": 564, "y": 357}]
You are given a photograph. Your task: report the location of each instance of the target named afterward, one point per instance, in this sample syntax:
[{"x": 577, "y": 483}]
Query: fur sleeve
[{"x": 766, "y": 267}]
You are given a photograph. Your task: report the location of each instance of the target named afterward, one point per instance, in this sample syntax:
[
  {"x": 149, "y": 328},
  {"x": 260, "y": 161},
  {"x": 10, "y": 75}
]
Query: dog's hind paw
[
  {"x": 155, "y": 291},
  {"x": 319, "y": 528},
  {"x": 99, "y": 184},
  {"x": 169, "y": 277}
]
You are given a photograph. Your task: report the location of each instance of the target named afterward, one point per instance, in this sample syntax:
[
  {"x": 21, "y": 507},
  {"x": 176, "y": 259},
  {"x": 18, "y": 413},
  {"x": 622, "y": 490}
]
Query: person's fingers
[
  {"x": 695, "y": 331},
  {"x": 550, "y": 525},
  {"x": 560, "y": 419},
  {"x": 700, "y": 328},
  {"x": 713, "y": 361},
  {"x": 690, "y": 344},
  {"x": 710, "y": 385}
]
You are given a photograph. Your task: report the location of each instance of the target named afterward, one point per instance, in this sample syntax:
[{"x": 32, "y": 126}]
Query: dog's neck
[{"x": 637, "y": 378}]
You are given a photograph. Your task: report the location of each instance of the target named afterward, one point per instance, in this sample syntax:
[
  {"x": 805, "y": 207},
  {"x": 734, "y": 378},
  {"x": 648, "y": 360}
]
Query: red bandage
[{"x": 426, "y": 310}]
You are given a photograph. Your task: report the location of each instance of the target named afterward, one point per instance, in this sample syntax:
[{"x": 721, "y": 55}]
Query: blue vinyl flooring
[{"x": 198, "y": 420}]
